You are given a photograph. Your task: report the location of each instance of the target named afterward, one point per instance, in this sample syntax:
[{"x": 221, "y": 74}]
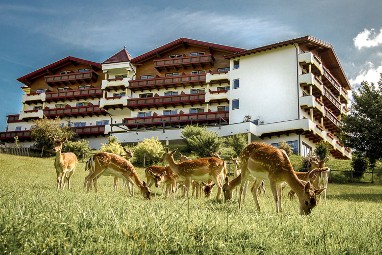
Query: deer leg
[
  {"x": 68, "y": 176},
  {"x": 275, "y": 195},
  {"x": 115, "y": 183},
  {"x": 217, "y": 181},
  {"x": 254, "y": 193},
  {"x": 278, "y": 189},
  {"x": 187, "y": 183}
]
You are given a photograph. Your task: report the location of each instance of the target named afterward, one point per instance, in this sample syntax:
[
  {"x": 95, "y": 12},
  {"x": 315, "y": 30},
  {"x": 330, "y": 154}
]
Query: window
[
  {"x": 62, "y": 89},
  {"x": 223, "y": 69},
  {"x": 170, "y": 112},
  {"x": 83, "y": 70},
  {"x": 119, "y": 94},
  {"x": 175, "y": 56},
  {"x": 197, "y": 91},
  {"x": 18, "y": 128},
  {"x": 198, "y": 72},
  {"x": 60, "y": 105},
  {"x": 306, "y": 149},
  {"x": 79, "y": 124},
  {"x": 145, "y": 77},
  {"x": 196, "y": 110},
  {"x": 172, "y": 74},
  {"x": 222, "y": 88},
  {"x": 145, "y": 95},
  {"x": 88, "y": 86},
  {"x": 236, "y": 84},
  {"x": 235, "y": 104},
  {"x": 236, "y": 64},
  {"x": 120, "y": 76},
  {"x": 81, "y": 87},
  {"x": 102, "y": 122},
  {"x": 79, "y": 104},
  {"x": 194, "y": 54},
  {"x": 223, "y": 108},
  {"x": 39, "y": 91},
  {"x": 65, "y": 72},
  {"x": 171, "y": 93},
  {"x": 37, "y": 108},
  {"x": 144, "y": 114}
]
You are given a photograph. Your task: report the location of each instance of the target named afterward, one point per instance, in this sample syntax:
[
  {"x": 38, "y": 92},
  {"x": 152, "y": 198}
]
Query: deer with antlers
[
  {"x": 158, "y": 174},
  {"x": 263, "y": 161},
  {"x": 65, "y": 164},
  {"x": 109, "y": 164},
  {"x": 201, "y": 169}
]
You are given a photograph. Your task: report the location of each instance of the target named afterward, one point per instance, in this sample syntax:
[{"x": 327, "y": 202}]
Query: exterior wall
[{"x": 268, "y": 86}]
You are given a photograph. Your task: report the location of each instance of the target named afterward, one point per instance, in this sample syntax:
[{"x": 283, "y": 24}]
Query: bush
[
  {"x": 149, "y": 151},
  {"x": 112, "y": 146},
  {"x": 200, "y": 141},
  {"x": 235, "y": 143},
  {"x": 286, "y": 147},
  {"x": 359, "y": 164},
  {"x": 322, "y": 153},
  {"x": 80, "y": 148}
]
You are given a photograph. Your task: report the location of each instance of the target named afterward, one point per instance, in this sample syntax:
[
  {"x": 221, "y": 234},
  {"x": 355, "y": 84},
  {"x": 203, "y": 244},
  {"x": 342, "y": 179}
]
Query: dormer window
[
  {"x": 175, "y": 56},
  {"x": 194, "y": 54},
  {"x": 83, "y": 70},
  {"x": 65, "y": 72}
]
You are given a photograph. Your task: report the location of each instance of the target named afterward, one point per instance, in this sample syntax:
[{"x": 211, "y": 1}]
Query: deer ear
[
  {"x": 204, "y": 184},
  {"x": 226, "y": 179},
  {"x": 318, "y": 191},
  {"x": 173, "y": 152},
  {"x": 144, "y": 184},
  {"x": 212, "y": 185},
  {"x": 307, "y": 187}
]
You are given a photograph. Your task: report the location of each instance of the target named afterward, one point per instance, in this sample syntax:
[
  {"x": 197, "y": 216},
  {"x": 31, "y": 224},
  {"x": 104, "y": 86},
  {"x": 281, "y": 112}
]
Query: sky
[{"x": 39, "y": 32}]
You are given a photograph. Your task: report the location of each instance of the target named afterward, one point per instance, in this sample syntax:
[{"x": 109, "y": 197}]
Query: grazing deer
[
  {"x": 263, "y": 161},
  {"x": 229, "y": 186},
  {"x": 310, "y": 176},
  {"x": 110, "y": 164},
  {"x": 236, "y": 164},
  {"x": 201, "y": 169},
  {"x": 207, "y": 188},
  {"x": 130, "y": 185},
  {"x": 65, "y": 164},
  {"x": 158, "y": 174}
]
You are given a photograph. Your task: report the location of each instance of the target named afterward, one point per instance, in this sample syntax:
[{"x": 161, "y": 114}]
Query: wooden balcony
[
  {"x": 331, "y": 122},
  {"x": 73, "y": 94},
  {"x": 72, "y": 78},
  {"x": 217, "y": 77},
  {"x": 184, "y": 62},
  {"x": 89, "y": 130},
  {"x": 331, "y": 101},
  {"x": 178, "y": 119},
  {"x": 13, "y": 118},
  {"x": 32, "y": 98},
  {"x": 161, "y": 101},
  {"x": 9, "y": 136},
  {"x": 331, "y": 82},
  {"x": 216, "y": 96},
  {"x": 89, "y": 110},
  {"x": 167, "y": 82}
]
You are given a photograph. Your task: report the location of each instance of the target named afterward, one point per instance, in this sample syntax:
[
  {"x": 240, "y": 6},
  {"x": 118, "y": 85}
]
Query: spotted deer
[{"x": 65, "y": 164}]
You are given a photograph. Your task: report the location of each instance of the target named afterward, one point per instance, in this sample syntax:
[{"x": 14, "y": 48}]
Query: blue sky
[{"x": 39, "y": 32}]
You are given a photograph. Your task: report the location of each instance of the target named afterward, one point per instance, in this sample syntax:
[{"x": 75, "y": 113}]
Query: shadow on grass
[
  {"x": 358, "y": 197},
  {"x": 359, "y": 192}
]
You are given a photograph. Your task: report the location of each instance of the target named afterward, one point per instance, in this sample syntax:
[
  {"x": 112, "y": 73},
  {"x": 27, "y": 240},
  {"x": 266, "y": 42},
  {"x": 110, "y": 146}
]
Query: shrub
[
  {"x": 322, "y": 153},
  {"x": 200, "y": 141},
  {"x": 286, "y": 147},
  {"x": 80, "y": 148},
  {"x": 149, "y": 151},
  {"x": 235, "y": 144},
  {"x": 112, "y": 146},
  {"x": 359, "y": 164}
]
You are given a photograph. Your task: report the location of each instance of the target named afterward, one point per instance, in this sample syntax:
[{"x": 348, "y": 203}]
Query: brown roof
[
  {"x": 26, "y": 79},
  {"x": 121, "y": 56},
  {"x": 312, "y": 42},
  {"x": 183, "y": 41}
]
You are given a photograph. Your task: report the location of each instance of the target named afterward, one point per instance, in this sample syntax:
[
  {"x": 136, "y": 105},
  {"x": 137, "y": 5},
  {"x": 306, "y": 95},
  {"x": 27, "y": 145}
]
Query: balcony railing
[
  {"x": 186, "y": 99},
  {"x": 184, "y": 61},
  {"x": 217, "y": 77},
  {"x": 333, "y": 119},
  {"x": 13, "y": 118},
  {"x": 89, "y": 130},
  {"x": 74, "y": 94},
  {"x": 205, "y": 117},
  {"x": 71, "y": 77},
  {"x": 9, "y": 136},
  {"x": 164, "y": 82},
  {"x": 30, "y": 114},
  {"x": 115, "y": 83},
  {"x": 329, "y": 95},
  {"x": 75, "y": 111},
  {"x": 113, "y": 101},
  {"x": 33, "y": 97},
  {"x": 333, "y": 81},
  {"x": 217, "y": 96}
]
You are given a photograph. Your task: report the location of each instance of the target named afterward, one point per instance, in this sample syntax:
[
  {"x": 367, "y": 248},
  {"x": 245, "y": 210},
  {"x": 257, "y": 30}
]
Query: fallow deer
[
  {"x": 65, "y": 164},
  {"x": 201, "y": 169},
  {"x": 160, "y": 174},
  {"x": 110, "y": 164},
  {"x": 263, "y": 161}
]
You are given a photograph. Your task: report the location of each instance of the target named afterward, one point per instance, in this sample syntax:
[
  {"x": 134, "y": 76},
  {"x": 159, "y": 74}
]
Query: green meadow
[{"x": 35, "y": 218}]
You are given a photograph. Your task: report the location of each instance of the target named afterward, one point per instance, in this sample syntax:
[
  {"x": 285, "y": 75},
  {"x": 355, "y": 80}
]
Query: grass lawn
[{"x": 37, "y": 219}]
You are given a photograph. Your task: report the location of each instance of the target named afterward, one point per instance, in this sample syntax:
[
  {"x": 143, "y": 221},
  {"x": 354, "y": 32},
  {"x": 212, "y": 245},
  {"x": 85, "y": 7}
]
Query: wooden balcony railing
[
  {"x": 333, "y": 119},
  {"x": 329, "y": 95},
  {"x": 184, "y": 61},
  {"x": 21, "y": 135},
  {"x": 89, "y": 130},
  {"x": 205, "y": 117},
  {"x": 333, "y": 81},
  {"x": 13, "y": 118},
  {"x": 89, "y": 110},
  {"x": 77, "y": 77},
  {"x": 73, "y": 94},
  {"x": 186, "y": 99},
  {"x": 164, "y": 82}
]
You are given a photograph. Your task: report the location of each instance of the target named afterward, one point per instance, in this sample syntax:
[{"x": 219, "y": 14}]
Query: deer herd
[{"x": 256, "y": 163}]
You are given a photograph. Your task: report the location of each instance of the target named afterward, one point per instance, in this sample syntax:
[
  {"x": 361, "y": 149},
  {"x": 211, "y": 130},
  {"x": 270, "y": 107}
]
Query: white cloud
[
  {"x": 370, "y": 74},
  {"x": 368, "y": 38}
]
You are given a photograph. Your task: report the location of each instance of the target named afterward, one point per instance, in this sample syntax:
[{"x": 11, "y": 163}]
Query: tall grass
[{"x": 37, "y": 219}]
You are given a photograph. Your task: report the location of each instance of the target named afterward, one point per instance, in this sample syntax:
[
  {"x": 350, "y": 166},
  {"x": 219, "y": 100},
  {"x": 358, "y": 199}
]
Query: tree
[
  {"x": 286, "y": 147},
  {"x": 45, "y": 131},
  {"x": 362, "y": 129},
  {"x": 149, "y": 150},
  {"x": 200, "y": 141},
  {"x": 322, "y": 153},
  {"x": 80, "y": 148},
  {"x": 236, "y": 142},
  {"x": 359, "y": 164}
]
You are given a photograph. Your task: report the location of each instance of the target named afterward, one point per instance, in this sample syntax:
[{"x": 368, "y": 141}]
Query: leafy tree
[
  {"x": 362, "y": 129},
  {"x": 80, "y": 148},
  {"x": 200, "y": 141},
  {"x": 45, "y": 131},
  {"x": 112, "y": 146},
  {"x": 359, "y": 164},
  {"x": 148, "y": 151},
  {"x": 322, "y": 153},
  {"x": 236, "y": 142},
  {"x": 286, "y": 147}
]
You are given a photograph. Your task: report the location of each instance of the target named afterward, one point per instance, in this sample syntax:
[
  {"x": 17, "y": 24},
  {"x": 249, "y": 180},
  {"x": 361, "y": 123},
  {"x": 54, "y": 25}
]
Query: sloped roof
[
  {"x": 120, "y": 56},
  {"x": 183, "y": 41},
  {"x": 312, "y": 42},
  {"x": 26, "y": 79}
]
